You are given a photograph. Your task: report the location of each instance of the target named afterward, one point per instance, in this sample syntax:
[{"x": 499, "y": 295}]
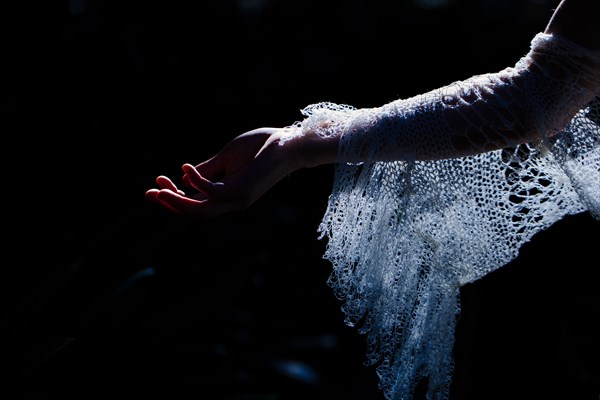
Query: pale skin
[{"x": 253, "y": 162}]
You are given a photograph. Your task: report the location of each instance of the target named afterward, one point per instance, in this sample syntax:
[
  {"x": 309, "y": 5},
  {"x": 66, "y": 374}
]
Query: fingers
[
  {"x": 198, "y": 205},
  {"x": 152, "y": 195},
  {"x": 190, "y": 206},
  {"x": 193, "y": 178},
  {"x": 155, "y": 195},
  {"x": 165, "y": 183}
]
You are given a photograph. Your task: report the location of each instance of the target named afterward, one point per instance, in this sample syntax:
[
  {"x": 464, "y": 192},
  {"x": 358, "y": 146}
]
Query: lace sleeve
[{"x": 533, "y": 100}]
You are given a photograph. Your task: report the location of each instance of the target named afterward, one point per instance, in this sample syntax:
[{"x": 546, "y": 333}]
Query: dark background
[{"x": 104, "y": 294}]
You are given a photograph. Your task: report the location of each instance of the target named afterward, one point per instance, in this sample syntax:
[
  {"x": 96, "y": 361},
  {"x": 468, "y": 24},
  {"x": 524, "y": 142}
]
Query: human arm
[{"x": 500, "y": 115}]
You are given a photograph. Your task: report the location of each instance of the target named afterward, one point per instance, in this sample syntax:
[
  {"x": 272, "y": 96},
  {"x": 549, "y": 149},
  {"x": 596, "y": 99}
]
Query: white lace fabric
[{"x": 404, "y": 236}]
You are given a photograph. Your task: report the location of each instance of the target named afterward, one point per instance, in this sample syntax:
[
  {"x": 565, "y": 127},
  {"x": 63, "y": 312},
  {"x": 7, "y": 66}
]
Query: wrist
[{"x": 309, "y": 149}]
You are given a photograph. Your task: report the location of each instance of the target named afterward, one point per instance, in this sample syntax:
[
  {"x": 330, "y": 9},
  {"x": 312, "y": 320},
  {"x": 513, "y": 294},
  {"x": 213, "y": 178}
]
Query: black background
[{"x": 104, "y": 294}]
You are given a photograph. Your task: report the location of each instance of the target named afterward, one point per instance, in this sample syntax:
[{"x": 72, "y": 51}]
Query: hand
[{"x": 233, "y": 179}]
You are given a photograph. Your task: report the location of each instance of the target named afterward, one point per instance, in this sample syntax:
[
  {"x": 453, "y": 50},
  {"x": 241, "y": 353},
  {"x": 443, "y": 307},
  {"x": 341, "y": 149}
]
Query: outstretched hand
[{"x": 233, "y": 179}]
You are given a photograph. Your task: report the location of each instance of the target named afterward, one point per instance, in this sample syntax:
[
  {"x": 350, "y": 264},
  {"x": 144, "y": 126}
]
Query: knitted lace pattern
[{"x": 438, "y": 190}]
